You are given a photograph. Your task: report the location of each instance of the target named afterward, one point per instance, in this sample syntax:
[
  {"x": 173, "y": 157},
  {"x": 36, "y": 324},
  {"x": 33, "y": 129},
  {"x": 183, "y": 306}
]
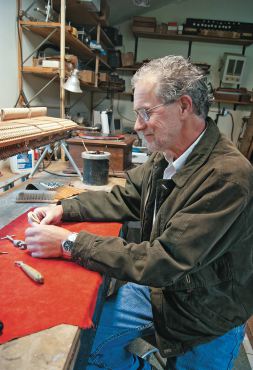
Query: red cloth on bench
[{"x": 68, "y": 295}]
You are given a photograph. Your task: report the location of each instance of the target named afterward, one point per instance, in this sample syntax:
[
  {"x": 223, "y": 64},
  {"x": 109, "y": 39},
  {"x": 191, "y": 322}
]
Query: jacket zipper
[
  {"x": 188, "y": 279},
  {"x": 146, "y": 199}
]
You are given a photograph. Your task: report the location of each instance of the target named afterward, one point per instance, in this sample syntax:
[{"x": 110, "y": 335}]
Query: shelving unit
[{"x": 61, "y": 35}]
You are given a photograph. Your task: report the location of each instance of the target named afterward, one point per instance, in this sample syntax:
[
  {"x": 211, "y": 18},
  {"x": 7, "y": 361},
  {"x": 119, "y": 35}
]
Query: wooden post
[
  {"x": 20, "y": 62},
  {"x": 62, "y": 64},
  {"x": 97, "y": 55}
]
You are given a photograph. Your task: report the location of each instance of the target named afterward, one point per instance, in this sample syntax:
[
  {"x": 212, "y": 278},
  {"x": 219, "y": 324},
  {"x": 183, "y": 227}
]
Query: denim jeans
[{"x": 128, "y": 315}]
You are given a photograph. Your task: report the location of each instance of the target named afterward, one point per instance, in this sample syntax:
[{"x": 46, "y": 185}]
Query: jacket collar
[{"x": 199, "y": 155}]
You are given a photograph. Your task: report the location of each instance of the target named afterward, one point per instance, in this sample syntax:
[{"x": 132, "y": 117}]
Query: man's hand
[
  {"x": 44, "y": 241},
  {"x": 50, "y": 215}
]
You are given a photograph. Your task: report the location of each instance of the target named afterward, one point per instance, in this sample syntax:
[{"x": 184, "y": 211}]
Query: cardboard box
[
  {"x": 127, "y": 59},
  {"x": 137, "y": 29},
  {"x": 149, "y": 20},
  {"x": 144, "y": 24},
  {"x": 51, "y": 63},
  {"x": 103, "y": 76},
  {"x": 87, "y": 76}
]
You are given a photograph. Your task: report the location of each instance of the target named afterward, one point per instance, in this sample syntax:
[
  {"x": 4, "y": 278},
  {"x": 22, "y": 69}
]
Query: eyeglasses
[{"x": 144, "y": 113}]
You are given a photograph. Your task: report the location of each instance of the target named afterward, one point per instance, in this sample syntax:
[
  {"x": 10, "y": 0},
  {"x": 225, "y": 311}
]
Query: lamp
[{"x": 73, "y": 84}]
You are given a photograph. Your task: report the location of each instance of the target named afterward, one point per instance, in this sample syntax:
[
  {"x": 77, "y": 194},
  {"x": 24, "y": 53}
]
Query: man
[{"x": 194, "y": 198}]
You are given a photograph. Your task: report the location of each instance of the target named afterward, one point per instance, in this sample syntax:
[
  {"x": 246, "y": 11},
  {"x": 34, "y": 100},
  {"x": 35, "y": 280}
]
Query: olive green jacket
[{"x": 197, "y": 256}]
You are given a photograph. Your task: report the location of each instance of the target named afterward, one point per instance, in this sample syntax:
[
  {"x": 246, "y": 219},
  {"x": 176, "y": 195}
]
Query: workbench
[{"x": 56, "y": 348}]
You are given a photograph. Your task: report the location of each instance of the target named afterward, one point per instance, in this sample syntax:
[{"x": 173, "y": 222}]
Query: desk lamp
[{"x": 73, "y": 84}]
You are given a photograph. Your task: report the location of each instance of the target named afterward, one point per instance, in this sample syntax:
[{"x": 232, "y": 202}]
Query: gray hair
[{"x": 175, "y": 77}]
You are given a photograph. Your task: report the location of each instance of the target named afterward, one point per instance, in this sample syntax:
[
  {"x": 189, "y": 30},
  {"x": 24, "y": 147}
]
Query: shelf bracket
[
  {"x": 189, "y": 48},
  {"x": 37, "y": 48},
  {"x": 41, "y": 90},
  {"x": 135, "y": 48}
]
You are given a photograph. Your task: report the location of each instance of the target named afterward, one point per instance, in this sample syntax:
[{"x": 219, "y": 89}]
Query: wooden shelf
[
  {"x": 48, "y": 72},
  {"x": 194, "y": 38},
  {"x": 41, "y": 71},
  {"x": 78, "y": 13},
  {"x": 43, "y": 29},
  {"x": 233, "y": 102},
  {"x": 127, "y": 69},
  {"x": 76, "y": 46}
]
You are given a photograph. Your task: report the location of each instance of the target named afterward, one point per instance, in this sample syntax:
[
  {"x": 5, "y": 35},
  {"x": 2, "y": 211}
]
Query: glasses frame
[{"x": 143, "y": 113}]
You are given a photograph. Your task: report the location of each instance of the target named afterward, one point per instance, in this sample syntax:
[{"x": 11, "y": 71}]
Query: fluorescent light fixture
[{"x": 145, "y": 3}]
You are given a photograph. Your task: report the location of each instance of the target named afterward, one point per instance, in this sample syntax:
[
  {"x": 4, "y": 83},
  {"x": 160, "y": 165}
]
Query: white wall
[{"x": 8, "y": 54}]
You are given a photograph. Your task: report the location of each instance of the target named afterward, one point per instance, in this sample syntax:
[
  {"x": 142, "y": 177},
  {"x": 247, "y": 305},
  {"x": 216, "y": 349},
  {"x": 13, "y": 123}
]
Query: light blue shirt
[{"x": 175, "y": 166}]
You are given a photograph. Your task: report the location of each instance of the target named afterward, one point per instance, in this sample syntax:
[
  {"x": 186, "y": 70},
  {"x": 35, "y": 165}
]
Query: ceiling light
[{"x": 145, "y": 3}]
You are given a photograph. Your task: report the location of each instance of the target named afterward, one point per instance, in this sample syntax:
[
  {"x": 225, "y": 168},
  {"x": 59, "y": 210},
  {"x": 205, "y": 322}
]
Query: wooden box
[
  {"x": 103, "y": 76},
  {"x": 127, "y": 59},
  {"x": 87, "y": 76},
  {"x": 144, "y": 24},
  {"x": 121, "y": 151}
]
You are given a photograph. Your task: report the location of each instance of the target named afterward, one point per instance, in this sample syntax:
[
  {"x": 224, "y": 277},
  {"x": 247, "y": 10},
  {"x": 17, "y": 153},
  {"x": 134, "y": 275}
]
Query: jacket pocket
[
  {"x": 211, "y": 275},
  {"x": 204, "y": 299}
]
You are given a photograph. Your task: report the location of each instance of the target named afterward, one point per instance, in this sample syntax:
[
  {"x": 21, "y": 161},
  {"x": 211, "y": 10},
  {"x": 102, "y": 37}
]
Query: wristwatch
[{"x": 67, "y": 245}]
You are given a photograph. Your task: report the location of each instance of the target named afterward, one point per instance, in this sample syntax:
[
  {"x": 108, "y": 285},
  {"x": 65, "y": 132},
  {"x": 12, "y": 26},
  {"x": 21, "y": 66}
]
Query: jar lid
[{"x": 96, "y": 154}]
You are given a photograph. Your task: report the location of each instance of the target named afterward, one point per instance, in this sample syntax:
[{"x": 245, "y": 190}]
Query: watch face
[{"x": 67, "y": 245}]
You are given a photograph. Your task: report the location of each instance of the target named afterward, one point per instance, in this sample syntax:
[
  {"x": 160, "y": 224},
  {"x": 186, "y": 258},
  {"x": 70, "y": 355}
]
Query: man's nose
[{"x": 140, "y": 124}]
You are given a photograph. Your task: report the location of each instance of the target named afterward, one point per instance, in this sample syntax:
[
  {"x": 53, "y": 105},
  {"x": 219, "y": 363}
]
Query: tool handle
[{"x": 31, "y": 272}]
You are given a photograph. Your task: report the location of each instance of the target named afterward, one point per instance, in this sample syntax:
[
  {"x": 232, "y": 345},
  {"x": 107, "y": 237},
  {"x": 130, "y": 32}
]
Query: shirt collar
[{"x": 180, "y": 161}]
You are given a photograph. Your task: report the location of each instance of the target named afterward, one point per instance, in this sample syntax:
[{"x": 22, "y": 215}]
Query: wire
[
  {"x": 240, "y": 136},
  {"x": 60, "y": 174},
  {"x": 120, "y": 114},
  {"x": 233, "y": 126},
  {"x": 100, "y": 102}
]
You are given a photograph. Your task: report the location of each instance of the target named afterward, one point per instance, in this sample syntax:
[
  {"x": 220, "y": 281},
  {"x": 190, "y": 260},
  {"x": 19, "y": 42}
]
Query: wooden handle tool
[
  {"x": 32, "y": 217},
  {"x": 31, "y": 272}
]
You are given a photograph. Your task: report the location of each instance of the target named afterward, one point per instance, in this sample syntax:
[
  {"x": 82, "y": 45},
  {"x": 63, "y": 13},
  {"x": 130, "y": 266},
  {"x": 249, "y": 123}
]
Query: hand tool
[
  {"x": 17, "y": 243},
  {"x": 31, "y": 272},
  {"x": 32, "y": 217}
]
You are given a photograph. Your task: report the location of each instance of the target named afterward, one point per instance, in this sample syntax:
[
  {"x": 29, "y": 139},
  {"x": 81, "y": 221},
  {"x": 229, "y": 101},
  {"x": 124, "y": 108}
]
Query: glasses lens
[{"x": 142, "y": 114}]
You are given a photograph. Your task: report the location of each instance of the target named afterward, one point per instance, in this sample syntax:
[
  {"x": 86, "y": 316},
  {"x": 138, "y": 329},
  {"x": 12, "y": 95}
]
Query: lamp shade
[{"x": 73, "y": 84}]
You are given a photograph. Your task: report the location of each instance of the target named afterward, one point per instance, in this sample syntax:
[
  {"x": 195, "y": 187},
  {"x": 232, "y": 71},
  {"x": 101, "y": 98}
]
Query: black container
[
  {"x": 95, "y": 167},
  {"x": 114, "y": 58}
]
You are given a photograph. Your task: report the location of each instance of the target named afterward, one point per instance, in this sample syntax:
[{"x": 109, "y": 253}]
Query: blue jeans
[{"x": 128, "y": 315}]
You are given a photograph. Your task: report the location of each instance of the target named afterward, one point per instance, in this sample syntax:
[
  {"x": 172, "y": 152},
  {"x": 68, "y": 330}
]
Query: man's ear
[{"x": 186, "y": 104}]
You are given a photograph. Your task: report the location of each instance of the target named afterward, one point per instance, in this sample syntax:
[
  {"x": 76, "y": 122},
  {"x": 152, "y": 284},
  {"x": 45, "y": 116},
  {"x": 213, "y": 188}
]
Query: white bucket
[{"x": 22, "y": 163}]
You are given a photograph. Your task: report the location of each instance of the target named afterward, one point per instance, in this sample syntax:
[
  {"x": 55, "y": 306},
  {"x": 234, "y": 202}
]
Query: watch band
[{"x": 67, "y": 246}]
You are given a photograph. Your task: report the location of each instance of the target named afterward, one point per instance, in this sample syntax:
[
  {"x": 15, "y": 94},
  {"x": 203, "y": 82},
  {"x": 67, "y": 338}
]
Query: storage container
[{"x": 22, "y": 163}]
